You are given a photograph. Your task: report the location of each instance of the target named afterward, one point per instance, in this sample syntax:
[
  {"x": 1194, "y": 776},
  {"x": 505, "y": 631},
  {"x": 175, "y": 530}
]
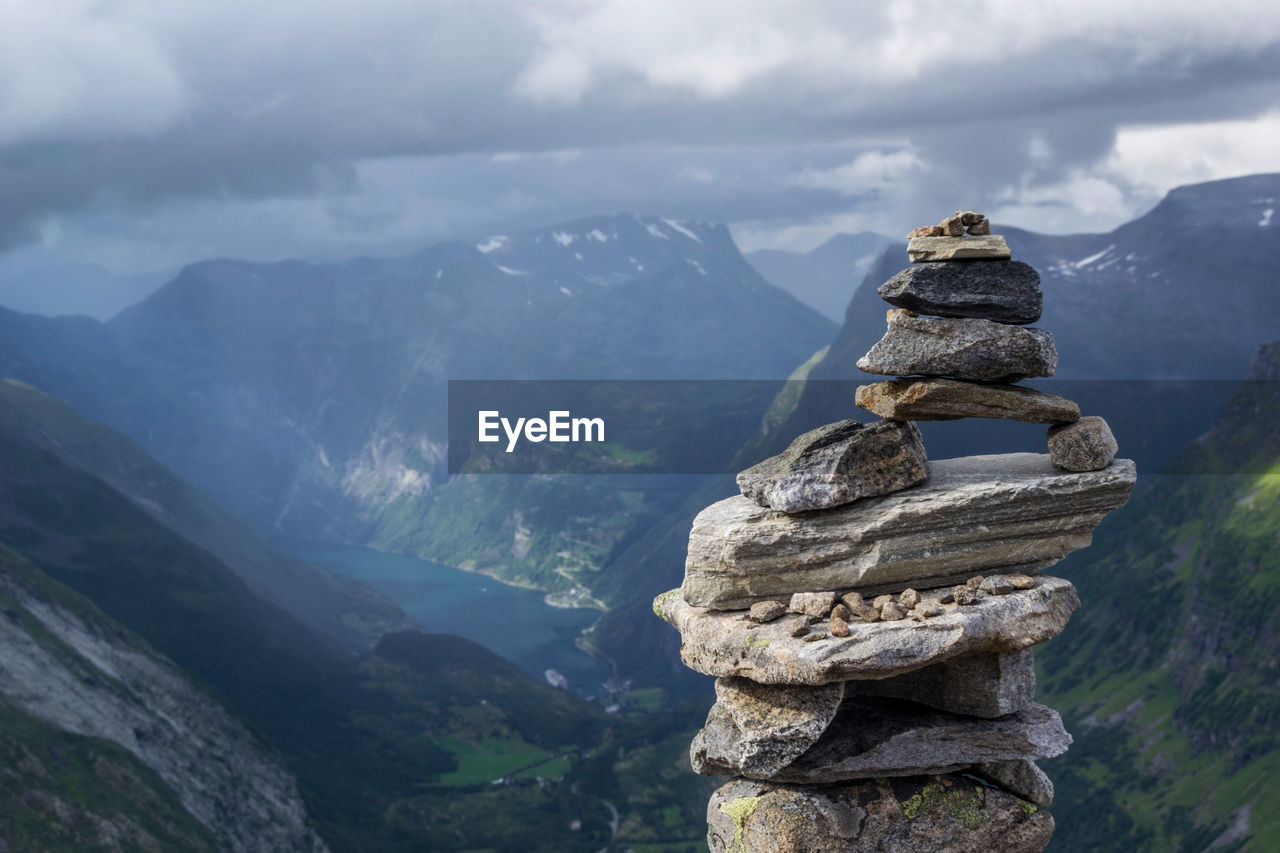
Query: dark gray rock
[
  {"x": 1086, "y": 445},
  {"x": 961, "y": 349},
  {"x": 930, "y": 813},
  {"x": 935, "y": 399},
  {"x": 1022, "y": 778},
  {"x": 869, "y": 738},
  {"x": 837, "y": 464},
  {"x": 988, "y": 685},
  {"x": 1003, "y": 291}
]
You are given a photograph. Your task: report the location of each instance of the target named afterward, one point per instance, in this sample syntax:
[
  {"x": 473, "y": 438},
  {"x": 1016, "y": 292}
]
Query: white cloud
[
  {"x": 68, "y": 71},
  {"x": 869, "y": 171},
  {"x": 1156, "y": 159}
]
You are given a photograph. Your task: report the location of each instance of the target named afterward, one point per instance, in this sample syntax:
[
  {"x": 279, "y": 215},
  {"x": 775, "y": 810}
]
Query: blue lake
[{"x": 512, "y": 622}]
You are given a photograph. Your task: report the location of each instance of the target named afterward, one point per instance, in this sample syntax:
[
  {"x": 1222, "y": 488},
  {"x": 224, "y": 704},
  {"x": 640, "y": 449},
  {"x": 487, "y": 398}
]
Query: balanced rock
[
  {"x": 1003, "y": 291},
  {"x": 888, "y": 737},
  {"x": 1086, "y": 445},
  {"x": 837, "y": 464},
  {"x": 988, "y": 247},
  {"x": 1012, "y": 512},
  {"x": 934, "y": 399},
  {"x": 951, "y": 813},
  {"x": 960, "y": 348},
  {"x": 1021, "y": 777},
  {"x": 763, "y": 728},
  {"x": 720, "y": 643},
  {"x": 987, "y": 685}
]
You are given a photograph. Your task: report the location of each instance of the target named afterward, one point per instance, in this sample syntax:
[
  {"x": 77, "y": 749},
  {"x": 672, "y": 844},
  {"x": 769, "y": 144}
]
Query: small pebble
[
  {"x": 854, "y": 601},
  {"x": 800, "y": 630},
  {"x": 974, "y": 582},
  {"x": 909, "y": 598},
  {"x": 841, "y": 612},
  {"x": 880, "y": 601},
  {"x": 928, "y": 610},
  {"x": 947, "y": 597},
  {"x": 869, "y": 614},
  {"x": 839, "y": 627},
  {"x": 766, "y": 611},
  {"x": 965, "y": 595},
  {"x": 812, "y": 603},
  {"x": 892, "y": 612},
  {"x": 816, "y": 635}
]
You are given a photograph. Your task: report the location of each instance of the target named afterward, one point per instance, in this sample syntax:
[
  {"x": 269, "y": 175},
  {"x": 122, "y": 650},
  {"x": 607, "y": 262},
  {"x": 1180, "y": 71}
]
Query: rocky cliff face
[{"x": 65, "y": 664}]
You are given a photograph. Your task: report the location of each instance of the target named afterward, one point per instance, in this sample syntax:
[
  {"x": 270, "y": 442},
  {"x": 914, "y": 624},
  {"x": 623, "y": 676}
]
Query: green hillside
[{"x": 1169, "y": 676}]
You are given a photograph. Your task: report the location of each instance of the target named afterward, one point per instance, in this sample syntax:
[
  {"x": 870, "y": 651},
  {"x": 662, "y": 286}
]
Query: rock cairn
[{"x": 869, "y": 615}]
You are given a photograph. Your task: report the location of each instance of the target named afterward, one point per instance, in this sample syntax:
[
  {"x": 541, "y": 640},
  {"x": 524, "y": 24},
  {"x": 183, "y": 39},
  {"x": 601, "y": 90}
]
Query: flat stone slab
[
  {"x": 960, "y": 348},
  {"x": 989, "y": 247},
  {"x": 871, "y": 738},
  {"x": 1003, "y": 291},
  {"x": 837, "y": 464},
  {"x": 1012, "y": 512},
  {"x": 990, "y": 685},
  {"x": 949, "y": 813},
  {"x": 725, "y": 643},
  {"x": 935, "y": 399}
]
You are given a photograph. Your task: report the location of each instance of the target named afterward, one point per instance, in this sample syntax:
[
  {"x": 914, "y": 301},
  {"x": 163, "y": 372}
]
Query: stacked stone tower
[{"x": 869, "y": 615}]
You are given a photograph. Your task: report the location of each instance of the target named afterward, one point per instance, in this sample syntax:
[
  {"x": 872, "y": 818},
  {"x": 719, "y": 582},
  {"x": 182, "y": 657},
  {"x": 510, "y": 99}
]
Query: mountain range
[{"x": 306, "y": 400}]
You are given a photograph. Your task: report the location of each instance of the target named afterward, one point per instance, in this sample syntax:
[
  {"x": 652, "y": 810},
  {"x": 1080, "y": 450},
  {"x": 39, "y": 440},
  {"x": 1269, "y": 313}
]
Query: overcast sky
[{"x": 139, "y": 135}]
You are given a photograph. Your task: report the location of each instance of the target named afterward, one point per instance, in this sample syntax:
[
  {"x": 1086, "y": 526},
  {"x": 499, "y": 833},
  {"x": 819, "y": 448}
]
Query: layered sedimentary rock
[
  {"x": 1003, "y": 291},
  {"x": 836, "y": 464},
  {"x": 722, "y": 643},
  {"x": 936, "y": 399},
  {"x": 960, "y": 348},
  {"x": 974, "y": 515},
  {"x": 950, "y": 813},
  {"x": 988, "y": 685}
]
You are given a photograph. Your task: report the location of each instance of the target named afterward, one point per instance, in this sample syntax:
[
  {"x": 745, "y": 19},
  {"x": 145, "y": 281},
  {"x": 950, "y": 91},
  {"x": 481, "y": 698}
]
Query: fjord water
[{"x": 510, "y": 621}]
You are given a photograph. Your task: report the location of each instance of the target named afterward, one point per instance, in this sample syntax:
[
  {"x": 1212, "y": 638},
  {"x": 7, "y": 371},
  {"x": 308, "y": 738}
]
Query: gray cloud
[{"x": 153, "y": 134}]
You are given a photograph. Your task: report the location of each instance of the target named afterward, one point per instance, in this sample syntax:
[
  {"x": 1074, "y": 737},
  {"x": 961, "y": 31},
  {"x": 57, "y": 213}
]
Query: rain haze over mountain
[{"x": 137, "y": 138}]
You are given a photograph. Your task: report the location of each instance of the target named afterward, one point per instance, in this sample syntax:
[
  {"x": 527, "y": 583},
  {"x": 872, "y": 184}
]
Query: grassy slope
[{"x": 1170, "y": 674}]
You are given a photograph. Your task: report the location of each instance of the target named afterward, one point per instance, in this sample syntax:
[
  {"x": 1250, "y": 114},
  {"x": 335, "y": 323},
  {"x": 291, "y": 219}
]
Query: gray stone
[
  {"x": 960, "y": 348},
  {"x": 854, "y": 601},
  {"x": 1003, "y": 291},
  {"x": 970, "y": 217},
  {"x": 812, "y": 603},
  {"x": 987, "y": 685},
  {"x": 931, "y": 813},
  {"x": 935, "y": 399},
  {"x": 836, "y": 464},
  {"x": 926, "y": 231},
  {"x": 1004, "y": 584},
  {"x": 989, "y": 247},
  {"x": 869, "y": 738},
  {"x": 766, "y": 611},
  {"x": 1086, "y": 445},
  {"x": 1022, "y": 778},
  {"x": 909, "y": 598},
  {"x": 720, "y": 643},
  {"x": 952, "y": 226},
  {"x": 892, "y": 612},
  {"x": 815, "y": 636},
  {"x": 964, "y": 595},
  {"x": 840, "y": 627},
  {"x": 1011, "y": 512},
  {"x": 980, "y": 229},
  {"x": 763, "y": 728}
]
